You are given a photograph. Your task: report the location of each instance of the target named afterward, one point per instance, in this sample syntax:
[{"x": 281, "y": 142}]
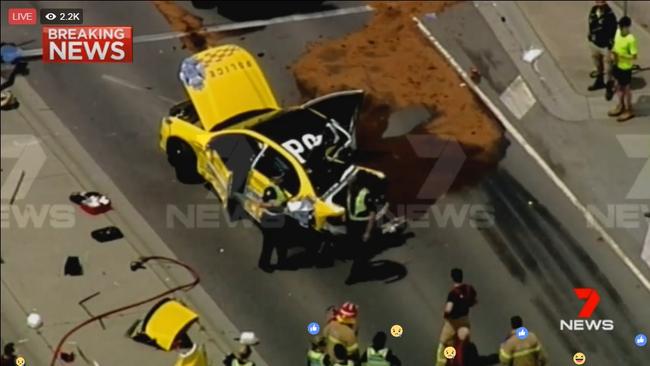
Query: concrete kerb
[
  {"x": 215, "y": 326},
  {"x": 589, "y": 217}
]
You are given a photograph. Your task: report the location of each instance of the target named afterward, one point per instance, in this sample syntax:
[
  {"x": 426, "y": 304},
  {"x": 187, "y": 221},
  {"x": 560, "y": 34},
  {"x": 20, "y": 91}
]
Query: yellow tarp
[{"x": 167, "y": 322}]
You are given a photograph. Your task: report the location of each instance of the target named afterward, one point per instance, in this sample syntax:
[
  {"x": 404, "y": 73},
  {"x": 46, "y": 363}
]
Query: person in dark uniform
[
  {"x": 602, "y": 28},
  {"x": 274, "y": 201},
  {"x": 360, "y": 222}
]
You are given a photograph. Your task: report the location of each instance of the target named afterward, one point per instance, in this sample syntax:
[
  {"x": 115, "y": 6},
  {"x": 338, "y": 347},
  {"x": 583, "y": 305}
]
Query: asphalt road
[{"x": 527, "y": 263}]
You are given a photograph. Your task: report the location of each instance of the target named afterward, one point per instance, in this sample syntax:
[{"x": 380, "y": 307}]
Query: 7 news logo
[{"x": 592, "y": 299}]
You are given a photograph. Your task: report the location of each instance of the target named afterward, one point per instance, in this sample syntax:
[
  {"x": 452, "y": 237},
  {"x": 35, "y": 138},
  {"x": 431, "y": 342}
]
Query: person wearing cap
[
  {"x": 521, "y": 352},
  {"x": 240, "y": 358},
  {"x": 274, "y": 201},
  {"x": 624, "y": 53},
  {"x": 341, "y": 357},
  {"x": 342, "y": 329},
  {"x": 316, "y": 355},
  {"x": 378, "y": 354}
]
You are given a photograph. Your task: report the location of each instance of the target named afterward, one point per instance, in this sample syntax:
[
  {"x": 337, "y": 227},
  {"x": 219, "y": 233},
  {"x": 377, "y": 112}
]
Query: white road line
[
  {"x": 122, "y": 82},
  {"x": 236, "y": 26},
  {"x": 127, "y": 84},
  {"x": 591, "y": 220},
  {"x": 256, "y": 23}
]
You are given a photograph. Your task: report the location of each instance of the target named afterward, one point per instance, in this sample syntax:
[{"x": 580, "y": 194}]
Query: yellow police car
[{"x": 233, "y": 134}]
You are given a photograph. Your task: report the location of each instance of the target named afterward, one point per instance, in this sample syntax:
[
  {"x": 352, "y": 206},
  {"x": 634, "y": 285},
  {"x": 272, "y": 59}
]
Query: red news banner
[{"x": 87, "y": 44}]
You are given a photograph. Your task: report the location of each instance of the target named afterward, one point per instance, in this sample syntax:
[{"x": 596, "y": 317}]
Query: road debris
[
  {"x": 72, "y": 267},
  {"x": 532, "y": 54},
  {"x": 20, "y": 182},
  {"x": 82, "y": 303},
  {"x": 93, "y": 203},
  {"x": 107, "y": 234},
  {"x": 34, "y": 320}
]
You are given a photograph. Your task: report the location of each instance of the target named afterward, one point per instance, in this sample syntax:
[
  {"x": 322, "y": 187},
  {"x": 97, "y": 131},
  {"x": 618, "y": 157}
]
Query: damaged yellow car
[{"x": 233, "y": 134}]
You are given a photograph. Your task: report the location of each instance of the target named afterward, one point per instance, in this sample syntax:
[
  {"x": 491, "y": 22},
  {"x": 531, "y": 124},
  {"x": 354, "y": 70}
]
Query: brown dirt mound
[
  {"x": 397, "y": 66},
  {"x": 182, "y": 20}
]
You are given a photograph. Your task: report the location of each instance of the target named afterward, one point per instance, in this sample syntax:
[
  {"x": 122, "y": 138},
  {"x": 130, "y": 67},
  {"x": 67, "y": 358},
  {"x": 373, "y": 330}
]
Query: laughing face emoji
[{"x": 579, "y": 358}]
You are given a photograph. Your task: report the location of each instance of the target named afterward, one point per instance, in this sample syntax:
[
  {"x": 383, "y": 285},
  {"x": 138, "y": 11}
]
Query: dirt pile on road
[
  {"x": 182, "y": 20},
  {"x": 398, "y": 68}
]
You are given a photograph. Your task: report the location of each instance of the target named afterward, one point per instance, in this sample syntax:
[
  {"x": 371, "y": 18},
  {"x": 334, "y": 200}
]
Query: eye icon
[{"x": 50, "y": 16}]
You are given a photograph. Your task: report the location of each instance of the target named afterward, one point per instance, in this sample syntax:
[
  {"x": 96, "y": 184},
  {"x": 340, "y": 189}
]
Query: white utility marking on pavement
[
  {"x": 256, "y": 23},
  {"x": 591, "y": 220},
  {"x": 518, "y": 97},
  {"x": 122, "y": 82},
  {"x": 236, "y": 26}
]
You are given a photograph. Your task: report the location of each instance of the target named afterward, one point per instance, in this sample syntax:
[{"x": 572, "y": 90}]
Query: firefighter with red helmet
[{"x": 342, "y": 328}]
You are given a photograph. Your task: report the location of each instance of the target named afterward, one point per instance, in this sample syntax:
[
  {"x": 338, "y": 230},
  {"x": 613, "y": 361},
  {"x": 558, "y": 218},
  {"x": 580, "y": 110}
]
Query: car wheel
[{"x": 181, "y": 156}]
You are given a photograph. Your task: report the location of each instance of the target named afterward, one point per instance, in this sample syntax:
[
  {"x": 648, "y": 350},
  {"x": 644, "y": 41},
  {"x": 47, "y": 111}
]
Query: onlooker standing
[
  {"x": 602, "y": 29},
  {"x": 624, "y": 53},
  {"x": 459, "y": 300}
]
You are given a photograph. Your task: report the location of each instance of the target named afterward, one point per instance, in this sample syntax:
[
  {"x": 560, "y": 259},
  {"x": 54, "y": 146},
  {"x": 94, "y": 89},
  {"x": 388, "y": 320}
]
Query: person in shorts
[
  {"x": 602, "y": 29},
  {"x": 624, "y": 54}
]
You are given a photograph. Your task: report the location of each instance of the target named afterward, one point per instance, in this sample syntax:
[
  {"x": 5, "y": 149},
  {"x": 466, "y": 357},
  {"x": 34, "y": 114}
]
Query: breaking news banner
[{"x": 87, "y": 44}]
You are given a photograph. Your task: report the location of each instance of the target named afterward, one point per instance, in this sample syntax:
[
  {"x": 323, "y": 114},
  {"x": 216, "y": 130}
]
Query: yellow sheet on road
[{"x": 168, "y": 321}]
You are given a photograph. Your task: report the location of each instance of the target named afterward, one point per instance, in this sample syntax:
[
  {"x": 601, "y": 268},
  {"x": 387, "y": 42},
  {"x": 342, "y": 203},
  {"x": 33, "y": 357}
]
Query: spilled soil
[
  {"x": 398, "y": 68},
  {"x": 197, "y": 39}
]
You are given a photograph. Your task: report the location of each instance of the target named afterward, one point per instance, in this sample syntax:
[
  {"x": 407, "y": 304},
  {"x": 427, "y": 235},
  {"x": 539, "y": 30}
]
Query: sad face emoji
[
  {"x": 396, "y": 330},
  {"x": 449, "y": 353},
  {"x": 579, "y": 358}
]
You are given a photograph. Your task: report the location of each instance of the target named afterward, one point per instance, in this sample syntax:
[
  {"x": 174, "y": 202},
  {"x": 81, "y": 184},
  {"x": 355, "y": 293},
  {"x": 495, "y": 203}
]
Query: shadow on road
[{"x": 259, "y": 10}]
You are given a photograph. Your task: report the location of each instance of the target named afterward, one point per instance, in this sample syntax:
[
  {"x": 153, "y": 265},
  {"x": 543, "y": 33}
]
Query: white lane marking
[
  {"x": 122, "y": 82},
  {"x": 127, "y": 84},
  {"x": 518, "y": 97},
  {"x": 236, "y": 26},
  {"x": 255, "y": 23},
  {"x": 591, "y": 220}
]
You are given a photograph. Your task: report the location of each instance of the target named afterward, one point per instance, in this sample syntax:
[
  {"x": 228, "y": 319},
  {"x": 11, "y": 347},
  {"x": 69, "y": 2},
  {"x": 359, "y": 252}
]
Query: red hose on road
[{"x": 142, "y": 260}]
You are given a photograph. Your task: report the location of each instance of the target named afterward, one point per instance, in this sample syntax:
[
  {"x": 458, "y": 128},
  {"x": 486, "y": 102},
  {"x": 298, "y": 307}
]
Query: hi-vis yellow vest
[{"x": 359, "y": 206}]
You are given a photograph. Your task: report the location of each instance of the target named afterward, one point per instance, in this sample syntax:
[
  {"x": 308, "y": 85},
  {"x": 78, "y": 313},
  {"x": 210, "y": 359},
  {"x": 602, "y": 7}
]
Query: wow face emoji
[{"x": 579, "y": 358}]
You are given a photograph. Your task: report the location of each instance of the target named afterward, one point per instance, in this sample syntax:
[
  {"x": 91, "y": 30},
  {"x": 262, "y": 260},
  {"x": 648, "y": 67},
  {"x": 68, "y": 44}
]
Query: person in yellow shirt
[{"x": 624, "y": 53}]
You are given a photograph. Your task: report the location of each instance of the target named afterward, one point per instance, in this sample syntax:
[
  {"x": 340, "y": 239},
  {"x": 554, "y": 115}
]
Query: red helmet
[{"x": 348, "y": 310}]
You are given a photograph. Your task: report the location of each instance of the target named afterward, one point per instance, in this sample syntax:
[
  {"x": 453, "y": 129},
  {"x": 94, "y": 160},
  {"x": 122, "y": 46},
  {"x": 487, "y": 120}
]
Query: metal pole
[{"x": 625, "y": 8}]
